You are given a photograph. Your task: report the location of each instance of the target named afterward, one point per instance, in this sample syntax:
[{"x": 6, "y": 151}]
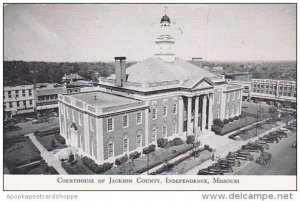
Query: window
[
  {"x": 227, "y": 112},
  {"x": 17, "y": 93},
  {"x": 125, "y": 144},
  {"x": 110, "y": 149},
  {"x": 228, "y": 97},
  {"x": 154, "y": 132},
  {"x": 125, "y": 120},
  {"x": 30, "y": 92},
  {"x": 10, "y": 105},
  {"x": 80, "y": 118},
  {"x": 174, "y": 128},
  {"x": 218, "y": 98},
  {"x": 73, "y": 115},
  {"x": 165, "y": 111},
  {"x": 175, "y": 108},
  {"x": 68, "y": 115},
  {"x": 154, "y": 113},
  {"x": 23, "y": 93},
  {"x": 164, "y": 131},
  {"x": 30, "y": 102},
  {"x": 218, "y": 114},
  {"x": 110, "y": 124},
  {"x": 139, "y": 139},
  {"x": 138, "y": 117},
  {"x": 9, "y": 94},
  {"x": 93, "y": 148},
  {"x": 233, "y": 95},
  {"x": 238, "y": 95},
  {"x": 92, "y": 123},
  {"x": 18, "y": 104}
]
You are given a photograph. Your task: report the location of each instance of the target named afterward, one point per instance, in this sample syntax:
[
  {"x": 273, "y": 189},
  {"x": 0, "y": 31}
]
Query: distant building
[
  {"x": 159, "y": 97},
  {"x": 18, "y": 100},
  {"x": 242, "y": 78},
  {"x": 69, "y": 79}
]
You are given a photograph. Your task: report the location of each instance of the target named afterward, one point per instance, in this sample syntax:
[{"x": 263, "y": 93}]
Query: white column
[
  {"x": 100, "y": 143},
  {"x": 189, "y": 119},
  {"x": 196, "y": 114},
  {"x": 180, "y": 115},
  {"x": 210, "y": 113},
  {"x": 146, "y": 127},
  {"x": 204, "y": 99}
]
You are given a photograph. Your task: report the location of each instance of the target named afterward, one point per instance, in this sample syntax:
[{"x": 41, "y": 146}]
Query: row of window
[
  {"x": 48, "y": 97},
  {"x": 164, "y": 111},
  {"x": 17, "y": 94},
  {"x": 233, "y": 96},
  {"x": 274, "y": 93},
  {"x": 18, "y": 104},
  {"x": 232, "y": 110}
]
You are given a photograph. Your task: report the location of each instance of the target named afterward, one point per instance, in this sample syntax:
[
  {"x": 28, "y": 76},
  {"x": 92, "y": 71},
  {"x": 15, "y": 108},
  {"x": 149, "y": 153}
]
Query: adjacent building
[{"x": 159, "y": 97}]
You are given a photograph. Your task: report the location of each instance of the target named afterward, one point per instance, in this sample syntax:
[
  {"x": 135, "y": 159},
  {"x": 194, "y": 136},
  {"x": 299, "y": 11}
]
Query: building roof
[
  {"x": 73, "y": 76},
  {"x": 165, "y": 18},
  {"x": 102, "y": 99},
  {"x": 154, "y": 69}
]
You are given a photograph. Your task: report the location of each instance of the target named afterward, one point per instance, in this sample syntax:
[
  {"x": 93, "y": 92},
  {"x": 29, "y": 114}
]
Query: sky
[{"x": 100, "y": 32}]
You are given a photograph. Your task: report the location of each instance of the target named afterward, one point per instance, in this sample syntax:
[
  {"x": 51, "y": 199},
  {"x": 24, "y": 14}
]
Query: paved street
[{"x": 283, "y": 163}]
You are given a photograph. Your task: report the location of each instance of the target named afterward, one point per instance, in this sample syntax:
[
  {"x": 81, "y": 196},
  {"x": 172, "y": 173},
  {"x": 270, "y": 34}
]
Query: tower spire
[{"x": 165, "y": 42}]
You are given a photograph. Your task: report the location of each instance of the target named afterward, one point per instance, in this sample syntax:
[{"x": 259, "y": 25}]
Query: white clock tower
[{"x": 165, "y": 42}]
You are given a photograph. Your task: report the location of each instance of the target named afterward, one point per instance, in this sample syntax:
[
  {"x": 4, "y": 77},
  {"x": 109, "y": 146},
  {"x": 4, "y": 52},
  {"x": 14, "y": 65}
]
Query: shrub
[
  {"x": 104, "y": 167},
  {"x": 67, "y": 167},
  {"x": 226, "y": 121},
  {"x": 134, "y": 155},
  {"x": 196, "y": 152},
  {"x": 152, "y": 148},
  {"x": 60, "y": 139},
  {"x": 231, "y": 119},
  {"x": 146, "y": 150},
  {"x": 207, "y": 147},
  {"x": 177, "y": 141},
  {"x": 216, "y": 129},
  {"x": 53, "y": 145},
  {"x": 162, "y": 142},
  {"x": 218, "y": 122},
  {"x": 236, "y": 117},
  {"x": 90, "y": 164},
  {"x": 190, "y": 139},
  {"x": 121, "y": 160}
]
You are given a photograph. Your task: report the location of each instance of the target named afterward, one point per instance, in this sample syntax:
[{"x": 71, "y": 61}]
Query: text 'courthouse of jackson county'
[{"x": 160, "y": 97}]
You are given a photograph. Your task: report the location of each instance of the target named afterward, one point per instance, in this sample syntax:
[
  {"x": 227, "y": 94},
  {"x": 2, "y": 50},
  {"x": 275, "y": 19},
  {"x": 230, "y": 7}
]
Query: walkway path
[
  {"x": 48, "y": 156},
  {"x": 223, "y": 145}
]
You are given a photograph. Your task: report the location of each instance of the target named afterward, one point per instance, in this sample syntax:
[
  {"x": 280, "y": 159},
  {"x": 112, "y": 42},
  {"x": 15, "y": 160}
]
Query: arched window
[
  {"x": 139, "y": 138},
  {"x": 125, "y": 144},
  {"x": 110, "y": 149},
  {"x": 164, "y": 130},
  {"x": 154, "y": 133}
]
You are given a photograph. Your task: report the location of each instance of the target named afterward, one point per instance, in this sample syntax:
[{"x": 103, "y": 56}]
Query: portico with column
[{"x": 198, "y": 113}]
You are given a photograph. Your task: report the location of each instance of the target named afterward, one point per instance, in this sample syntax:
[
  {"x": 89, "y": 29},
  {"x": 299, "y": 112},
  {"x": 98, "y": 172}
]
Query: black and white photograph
[{"x": 156, "y": 91}]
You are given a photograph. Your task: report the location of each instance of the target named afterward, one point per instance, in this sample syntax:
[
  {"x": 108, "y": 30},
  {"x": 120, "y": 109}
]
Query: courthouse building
[{"x": 159, "y": 97}]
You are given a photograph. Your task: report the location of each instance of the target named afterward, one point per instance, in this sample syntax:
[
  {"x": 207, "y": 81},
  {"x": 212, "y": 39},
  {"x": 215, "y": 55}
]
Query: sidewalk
[
  {"x": 48, "y": 156},
  {"x": 223, "y": 145}
]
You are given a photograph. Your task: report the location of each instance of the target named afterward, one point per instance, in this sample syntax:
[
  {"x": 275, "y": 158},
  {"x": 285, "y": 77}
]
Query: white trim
[
  {"x": 113, "y": 149},
  {"x": 165, "y": 109},
  {"x": 112, "y": 124},
  {"x": 176, "y": 108},
  {"x": 141, "y": 118},
  {"x": 166, "y": 131},
  {"x": 154, "y": 109},
  {"x": 127, "y": 121}
]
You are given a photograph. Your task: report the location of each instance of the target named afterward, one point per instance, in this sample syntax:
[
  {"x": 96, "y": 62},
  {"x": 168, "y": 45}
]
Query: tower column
[
  {"x": 189, "y": 119},
  {"x": 210, "y": 113},
  {"x": 196, "y": 114},
  {"x": 203, "y": 125},
  {"x": 180, "y": 115}
]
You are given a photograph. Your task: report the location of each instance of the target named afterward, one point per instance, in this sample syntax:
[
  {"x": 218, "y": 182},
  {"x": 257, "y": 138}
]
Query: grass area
[
  {"x": 78, "y": 168},
  {"x": 252, "y": 109},
  {"x": 20, "y": 151},
  {"x": 46, "y": 141},
  {"x": 158, "y": 157},
  {"x": 189, "y": 164},
  {"x": 236, "y": 124},
  {"x": 252, "y": 132}
]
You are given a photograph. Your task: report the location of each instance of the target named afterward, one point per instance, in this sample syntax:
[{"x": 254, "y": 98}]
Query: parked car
[
  {"x": 252, "y": 148},
  {"x": 285, "y": 130},
  {"x": 282, "y": 134},
  {"x": 224, "y": 165},
  {"x": 244, "y": 155},
  {"x": 38, "y": 121},
  {"x": 234, "y": 162},
  {"x": 273, "y": 134},
  {"x": 13, "y": 128},
  {"x": 262, "y": 143},
  {"x": 211, "y": 170},
  {"x": 264, "y": 158},
  {"x": 269, "y": 139},
  {"x": 231, "y": 155}
]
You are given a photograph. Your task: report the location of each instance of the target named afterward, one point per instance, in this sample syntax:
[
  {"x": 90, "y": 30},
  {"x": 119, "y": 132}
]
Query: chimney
[
  {"x": 197, "y": 61},
  {"x": 120, "y": 70}
]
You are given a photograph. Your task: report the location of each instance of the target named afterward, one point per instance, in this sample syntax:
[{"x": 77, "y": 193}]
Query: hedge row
[
  {"x": 94, "y": 167},
  {"x": 164, "y": 143}
]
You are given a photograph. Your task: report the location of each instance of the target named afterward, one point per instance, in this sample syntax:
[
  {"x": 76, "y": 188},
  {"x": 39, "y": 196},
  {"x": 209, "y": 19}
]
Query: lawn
[
  {"x": 21, "y": 151},
  {"x": 254, "y": 108},
  {"x": 246, "y": 135},
  {"x": 237, "y": 124},
  {"x": 156, "y": 158},
  {"x": 46, "y": 141},
  {"x": 189, "y": 164}
]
